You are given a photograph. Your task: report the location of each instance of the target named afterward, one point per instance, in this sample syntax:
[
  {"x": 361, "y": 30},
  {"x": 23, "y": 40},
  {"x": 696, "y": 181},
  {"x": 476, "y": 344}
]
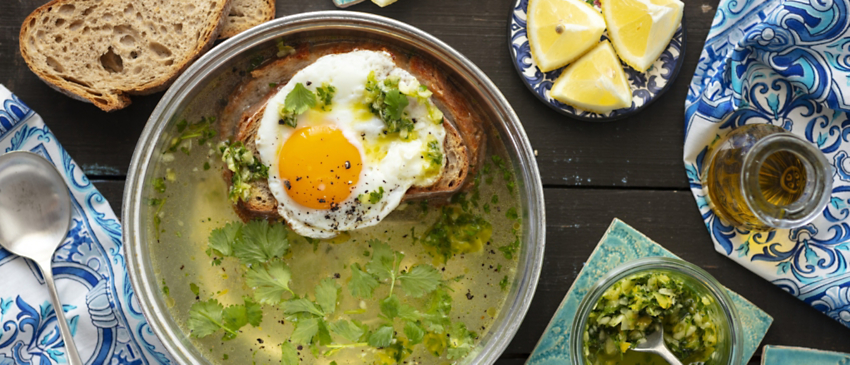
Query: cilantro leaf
[
  {"x": 439, "y": 306},
  {"x": 305, "y": 330},
  {"x": 300, "y": 99},
  {"x": 327, "y": 293},
  {"x": 350, "y": 330},
  {"x": 205, "y": 318},
  {"x": 391, "y": 307},
  {"x": 261, "y": 241},
  {"x": 395, "y": 103},
  {"x": 269, "y": 281},
  {"x": 234, "y": 317},
  {"x": 414, "y": 332},
  {"x": 301, "y": 305},
  {"x": 384, "y": 261},
  {"x": 461, "y": 341},
  {"x": 382, "y": 337},
  {"x": 253, "y": 311},
  {"x": 223, "y": 239},
  {"x": 362, "y": 284},
  {"x": 323, "y": 336},
  {"x": 420, "y": 280},
  {"x": 289, "y": 354}
]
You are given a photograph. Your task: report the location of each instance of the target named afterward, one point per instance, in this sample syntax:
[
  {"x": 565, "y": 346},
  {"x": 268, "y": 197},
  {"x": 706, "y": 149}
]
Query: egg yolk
[{"x": 319, "y": 166}]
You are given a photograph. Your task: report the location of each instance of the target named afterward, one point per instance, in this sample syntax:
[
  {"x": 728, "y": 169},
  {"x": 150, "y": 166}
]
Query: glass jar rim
[
  {"x": 676, "y": 265},
  {"x": 822, "y": 179}
]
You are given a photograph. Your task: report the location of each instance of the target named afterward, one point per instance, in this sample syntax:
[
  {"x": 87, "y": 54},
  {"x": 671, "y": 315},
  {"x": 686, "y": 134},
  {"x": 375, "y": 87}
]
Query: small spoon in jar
[
  {"x": 655, "y": 344},
  {"x": 35, "y": 213}
]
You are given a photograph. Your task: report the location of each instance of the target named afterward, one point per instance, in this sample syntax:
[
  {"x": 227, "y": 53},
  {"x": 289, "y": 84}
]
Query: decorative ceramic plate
[{"x": 645, "y": 86}]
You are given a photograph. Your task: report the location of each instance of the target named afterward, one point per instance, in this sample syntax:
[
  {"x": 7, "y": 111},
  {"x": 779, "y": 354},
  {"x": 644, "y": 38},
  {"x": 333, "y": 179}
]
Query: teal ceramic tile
[
  {"x": 783, "y": 355},
  {"x": 622, "y": 243}
]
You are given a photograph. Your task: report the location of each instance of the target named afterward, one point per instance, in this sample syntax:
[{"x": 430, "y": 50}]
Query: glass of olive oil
[{"x": 762, "y": 177}]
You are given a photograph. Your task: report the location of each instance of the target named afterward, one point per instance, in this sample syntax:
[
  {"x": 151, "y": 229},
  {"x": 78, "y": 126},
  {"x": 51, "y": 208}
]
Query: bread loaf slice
[
  {"x": 102, "y": 51},
  {"x": 462, "y": 151},
  {"x": 245, "y": 14}
]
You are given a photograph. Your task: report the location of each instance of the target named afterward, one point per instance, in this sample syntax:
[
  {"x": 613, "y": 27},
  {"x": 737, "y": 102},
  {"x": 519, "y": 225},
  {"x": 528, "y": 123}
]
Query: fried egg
[{"x": 342, "y": 167}]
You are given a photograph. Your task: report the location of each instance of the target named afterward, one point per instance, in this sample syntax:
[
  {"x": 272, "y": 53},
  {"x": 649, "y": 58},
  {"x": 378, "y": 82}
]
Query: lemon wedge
[
  {"x": 559, "y": 31},
  {"x": 641, "y": 29},
  {"x": 596, "y": 82}
]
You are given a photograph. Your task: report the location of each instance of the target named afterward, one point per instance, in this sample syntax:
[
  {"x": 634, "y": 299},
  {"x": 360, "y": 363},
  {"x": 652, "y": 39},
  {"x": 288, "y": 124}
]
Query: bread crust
[
  {"x": 235, "y": 25},
  {"x": 464, "y": 144},
  {"x": 111, "y": 99}
]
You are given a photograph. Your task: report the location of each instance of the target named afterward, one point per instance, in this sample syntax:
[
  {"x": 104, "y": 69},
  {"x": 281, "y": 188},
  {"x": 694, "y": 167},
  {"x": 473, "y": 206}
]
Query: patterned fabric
[
  {"x": 91, "y": 278},
  {"x": 645, "y": 86},
  {"x": 786, "y": 63},
  {"x": 620, "y": 244}
]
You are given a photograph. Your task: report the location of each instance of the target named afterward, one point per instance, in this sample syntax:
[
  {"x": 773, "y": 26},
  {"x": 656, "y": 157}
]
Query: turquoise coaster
[
  {"x": 782, "y": 355},
  {"x": 622, "y": 243}
]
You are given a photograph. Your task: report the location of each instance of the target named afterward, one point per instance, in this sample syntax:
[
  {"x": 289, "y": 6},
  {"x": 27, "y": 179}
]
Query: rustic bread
[
  {"x": 104, "y": 50},
  {"x": 245, "y": 14},
  {"x": 247, "y": 105}
]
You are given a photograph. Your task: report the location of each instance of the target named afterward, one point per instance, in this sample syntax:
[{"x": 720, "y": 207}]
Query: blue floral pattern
[
  {"x": 645, "y": 86},
  {"x": 99, "y": 302},
  {"x": 784, "y": 63}
]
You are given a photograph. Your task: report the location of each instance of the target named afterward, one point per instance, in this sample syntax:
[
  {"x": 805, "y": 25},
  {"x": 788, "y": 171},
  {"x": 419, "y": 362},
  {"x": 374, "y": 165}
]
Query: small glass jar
[
  {"x": 762, "y": 177},
  {"x": 730, "y": 337}
]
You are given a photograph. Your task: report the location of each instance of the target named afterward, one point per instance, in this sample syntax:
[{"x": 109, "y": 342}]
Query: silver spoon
[
  {"x": 655, "y": 344},
  {"x": 35, "y": 214}
]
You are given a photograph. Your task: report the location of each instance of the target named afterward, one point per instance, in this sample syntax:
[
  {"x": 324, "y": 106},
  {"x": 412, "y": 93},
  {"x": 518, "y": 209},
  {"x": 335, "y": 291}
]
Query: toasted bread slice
[
  {"x": 245, "y": 14},
  {"x": 241, "y": 121},
  {"x": 101, "y": 51}
]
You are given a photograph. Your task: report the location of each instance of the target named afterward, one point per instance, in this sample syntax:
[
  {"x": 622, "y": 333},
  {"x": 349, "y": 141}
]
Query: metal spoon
[
  {"x": 35, "y": 214},
  {"x": 655, "y": 344}
]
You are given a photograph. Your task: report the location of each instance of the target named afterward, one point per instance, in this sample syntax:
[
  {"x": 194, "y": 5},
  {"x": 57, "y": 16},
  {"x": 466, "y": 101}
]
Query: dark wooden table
[{"x": 592, "y": 172}]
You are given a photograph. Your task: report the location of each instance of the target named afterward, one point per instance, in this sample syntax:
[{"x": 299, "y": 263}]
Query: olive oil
[{"x": 762, "y": 177}]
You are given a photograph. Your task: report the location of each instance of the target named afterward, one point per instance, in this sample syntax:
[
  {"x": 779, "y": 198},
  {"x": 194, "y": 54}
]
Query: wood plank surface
[{"x": 593, "y": 172}]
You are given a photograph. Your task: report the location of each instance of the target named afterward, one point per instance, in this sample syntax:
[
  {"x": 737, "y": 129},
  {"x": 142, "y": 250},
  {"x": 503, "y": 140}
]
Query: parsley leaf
[
  {"x": 323, "y": 336},
  {"x": 289, "y": 354},
  {"x": 350, "y": 330},
  {"x": 382, "y": 337},
  {"x": 391, "y": 308},
  {"x": 270, "y": 281},
  {"x": 261, "y": 242},
  {"x": 254, "y": 312},
  {"x": 420, "y": 280},
  {"x": 223, "y": 239},
  {"x": 414, "y": 332},
  {"x": 305, "y": 330},
  {"x": 205, "y": 318},
  {"x": 301, "y": 305},
  {"x": 327, "y": 293},
  {"x": 362, "y": 284},
  {"x": 236, "y": 316},
  {"x": 300, "y": 99}
]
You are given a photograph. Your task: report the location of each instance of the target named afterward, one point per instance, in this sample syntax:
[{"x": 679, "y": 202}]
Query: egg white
[{"x": 401, "y": 167}]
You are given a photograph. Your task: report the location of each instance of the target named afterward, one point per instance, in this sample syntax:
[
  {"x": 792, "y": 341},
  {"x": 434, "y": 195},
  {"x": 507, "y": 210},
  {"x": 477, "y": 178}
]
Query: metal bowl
[{"x": 209, "y": 80}]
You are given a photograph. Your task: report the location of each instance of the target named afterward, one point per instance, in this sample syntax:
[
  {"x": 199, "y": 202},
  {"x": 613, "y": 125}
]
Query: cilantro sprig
[
  {"x": 207, "y": 318},
  {"x": 298, "y": 101}
]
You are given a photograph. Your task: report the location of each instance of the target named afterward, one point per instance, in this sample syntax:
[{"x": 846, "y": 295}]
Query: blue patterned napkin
[
  {"x": 91, "y": 278},
  {"x": 785, "y": 63},
  {"x": 784, "y": 355},
  {"x": 620, "y": 244}
]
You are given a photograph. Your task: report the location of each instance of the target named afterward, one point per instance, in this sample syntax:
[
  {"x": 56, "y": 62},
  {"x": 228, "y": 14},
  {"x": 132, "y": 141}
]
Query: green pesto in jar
[{"x": 638, "y": 305}]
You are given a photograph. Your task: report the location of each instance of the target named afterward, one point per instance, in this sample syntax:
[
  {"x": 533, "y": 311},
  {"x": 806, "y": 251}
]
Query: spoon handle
[{"x": 71, "y": 353}]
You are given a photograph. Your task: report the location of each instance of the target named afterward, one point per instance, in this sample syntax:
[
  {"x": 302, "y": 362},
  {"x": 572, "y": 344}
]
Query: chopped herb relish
[
  {"x": 245, "y": 168},
  {"x": 387, "y": 102},
  {"x": 637, "y": 306},
  {"x": 202, "y": 131},
  {"x": 456, "y": 231}
]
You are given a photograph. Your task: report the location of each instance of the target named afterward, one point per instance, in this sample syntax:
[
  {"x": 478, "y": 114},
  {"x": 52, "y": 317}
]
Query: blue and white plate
[{"x": 646, "y": 86}]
